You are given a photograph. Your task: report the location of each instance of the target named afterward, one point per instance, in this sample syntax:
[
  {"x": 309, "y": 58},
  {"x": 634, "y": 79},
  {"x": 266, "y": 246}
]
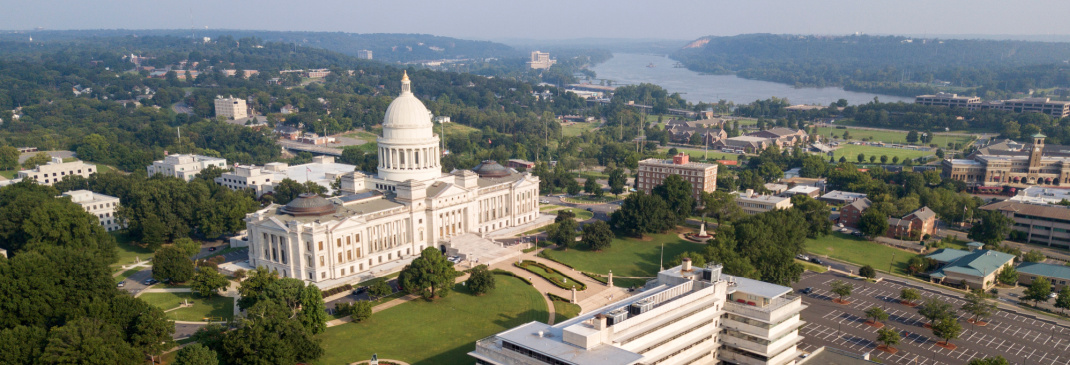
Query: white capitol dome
[{"x": 407, "y": 111}]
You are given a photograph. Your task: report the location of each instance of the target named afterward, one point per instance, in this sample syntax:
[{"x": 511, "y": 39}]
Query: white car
[
  {"x": 544, "y": 201},
  {"x": 844, "y": 230}
]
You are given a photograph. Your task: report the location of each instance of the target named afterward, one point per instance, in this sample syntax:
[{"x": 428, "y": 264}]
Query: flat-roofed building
[
  {"x": 837, "y": 197},
  {"x": 518, "y": 163},
  {"x": 754, "y": 203},
  {"x": 1041, "y": 195},
  {"x": 686, "y": 316},
  {"x": 184, "y": 167},
  {"x": 830, "y": 356},
  {"x": 231, "y": 107},
  {"x": 702, "y": 176},
  {"x": 364, "y": 54},
  {"x": 100, "y": 205},
  {"x": 1055, "y": 109},
  {"x": 948, "y": 100},
  {"x": 322, "y": 171},
  {"x": 540, "y": 60},
  {"x": 810, "y": 191},
  {"x": 55, "y": 170},
  {"x": 1041, "y": 224}
]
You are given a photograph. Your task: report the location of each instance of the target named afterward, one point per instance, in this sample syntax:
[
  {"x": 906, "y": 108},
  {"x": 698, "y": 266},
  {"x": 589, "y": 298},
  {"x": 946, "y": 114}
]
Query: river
[{"x": 631, "y": 68}]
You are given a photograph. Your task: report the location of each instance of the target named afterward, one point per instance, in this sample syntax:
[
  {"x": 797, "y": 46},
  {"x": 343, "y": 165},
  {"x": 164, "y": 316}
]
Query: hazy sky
[{"x": 554, "y": 19}]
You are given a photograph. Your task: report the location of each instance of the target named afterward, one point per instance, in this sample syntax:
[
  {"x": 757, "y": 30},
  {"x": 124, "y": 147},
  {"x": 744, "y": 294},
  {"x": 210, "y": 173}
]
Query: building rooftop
[
  {"x": 86, "y": 196},
  {"x": 976, "y": 263},
  {"x": 759, "y": 198},
  {"x": 1045, "y": 270},
  {"x": 861, "y": 204},
  {"x": 1044, "y": 211},
  {"x": 843, "y": 195},
  {"x": 669, "y": 162},
  {"x": 923, "y": 213},
  {"x": 551, "y": 343},
  {"x": 802, "y": 189},
  {"x": 756, "y": 287}
]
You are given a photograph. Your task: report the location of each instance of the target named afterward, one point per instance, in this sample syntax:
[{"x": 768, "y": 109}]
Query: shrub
[
  {"x": 510, "y": 273},
  {"x": 337, "y": 289}
]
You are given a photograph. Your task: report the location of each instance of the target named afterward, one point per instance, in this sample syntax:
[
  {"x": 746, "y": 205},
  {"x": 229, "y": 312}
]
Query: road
[{"x": 1021, "y": 339}]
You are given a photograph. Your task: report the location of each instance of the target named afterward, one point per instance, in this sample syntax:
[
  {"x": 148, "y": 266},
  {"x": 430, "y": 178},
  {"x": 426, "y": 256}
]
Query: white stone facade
[
  {"x": 231, "y": 107},
  {"x": 55, "y": 170},
  {"x": 185, "y": 167},
  {"x": 409, "y": 206},
  {"x": 100, "y": 205},
  {"x": 262, "y": 179}
]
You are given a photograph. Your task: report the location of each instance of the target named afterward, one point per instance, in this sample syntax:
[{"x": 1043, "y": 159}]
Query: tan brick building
[{"x": 702, "y": 176}]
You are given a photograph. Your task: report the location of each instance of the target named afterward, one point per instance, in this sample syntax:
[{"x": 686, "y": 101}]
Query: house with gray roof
[{"x": 974, "y": 270}]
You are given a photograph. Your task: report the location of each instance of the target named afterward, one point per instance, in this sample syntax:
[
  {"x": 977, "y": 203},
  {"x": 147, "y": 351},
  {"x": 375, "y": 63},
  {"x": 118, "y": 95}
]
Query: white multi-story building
[
  {"x": 55, "y": 170},
  {"x": 540, "y": 60},
  {"x": 754, "y": 203},
  {"x": 687, "y": 316},
  {"x": 231, "y": 107},
  {"x": 100, "y": 205},
  {"x": 364, "y": 54},
  {"x": 262, "y": 179},
  {"x": 185, "y": 167},
  {"x": 383, "y": 219}
]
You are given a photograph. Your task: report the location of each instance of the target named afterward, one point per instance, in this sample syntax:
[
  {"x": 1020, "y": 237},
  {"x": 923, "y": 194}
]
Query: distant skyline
[{"x": 555, "y": 19}]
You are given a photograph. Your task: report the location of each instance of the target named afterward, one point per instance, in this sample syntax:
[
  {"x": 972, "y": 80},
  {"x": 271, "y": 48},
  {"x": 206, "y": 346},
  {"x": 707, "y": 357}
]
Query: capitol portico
[{"x": 389, "y": 217}]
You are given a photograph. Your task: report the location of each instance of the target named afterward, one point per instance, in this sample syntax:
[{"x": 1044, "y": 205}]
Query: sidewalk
[{"x": 543, "y": 220}]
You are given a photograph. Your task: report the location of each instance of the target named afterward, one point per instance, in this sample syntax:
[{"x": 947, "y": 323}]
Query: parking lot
[{"x": 1020, "y": 339}]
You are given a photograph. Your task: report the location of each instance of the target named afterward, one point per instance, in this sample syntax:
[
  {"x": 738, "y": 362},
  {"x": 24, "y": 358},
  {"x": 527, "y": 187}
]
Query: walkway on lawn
[{"x": 596, "y": 295}]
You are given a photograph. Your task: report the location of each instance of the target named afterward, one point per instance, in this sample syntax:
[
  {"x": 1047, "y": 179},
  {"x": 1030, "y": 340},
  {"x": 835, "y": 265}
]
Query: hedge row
[
  {"x": 336, "y": 290},
  {"x": 600, "y": 278},
  {"x": 556, "y": 281},
  {"x": 557, "y": 298},
  {"x": 510, "y": 273}
]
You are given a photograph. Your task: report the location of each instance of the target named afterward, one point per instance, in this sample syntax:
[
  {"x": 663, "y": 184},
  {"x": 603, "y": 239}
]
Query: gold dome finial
[{"x": 404, "y": 75}]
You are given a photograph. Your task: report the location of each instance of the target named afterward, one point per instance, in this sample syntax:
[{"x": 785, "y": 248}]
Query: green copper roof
[
  {"x": 976, "y": 263},
  {"x": 1039, "y": 135}
]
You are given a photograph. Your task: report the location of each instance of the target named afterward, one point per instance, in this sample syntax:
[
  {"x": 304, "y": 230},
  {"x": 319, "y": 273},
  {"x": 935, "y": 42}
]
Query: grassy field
[
  {"x": 859, "y": 251},
  {"x": 129, "y": 251},
  {"x": 551, "y": 275},
  {"x": 104, "y": 168},
  {"x": 887, "y": 136},
  {"x": 361, "y": 135},
  {"x": 214, "y": 307},
  {"x": 812, "y": 266},
  {"x": 851, "y": 153},
  {"x": 564, "y": 311},
  {"x": 626, "y": 256},
  {"x": 549, "y": 207},
  {"x": 576, "y": 129},
  {"x": 440, "y": 332},
  {"x": 126, "y": 274},
  {"x": 454, "y": 129},
  {"x": 591, "y": 199},
  {"x": 9, "y": 174}
]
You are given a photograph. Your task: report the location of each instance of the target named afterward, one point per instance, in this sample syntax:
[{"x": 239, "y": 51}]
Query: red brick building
[
  {"x": 915, "y": 225},
  {"x": 850, "y": 214}
]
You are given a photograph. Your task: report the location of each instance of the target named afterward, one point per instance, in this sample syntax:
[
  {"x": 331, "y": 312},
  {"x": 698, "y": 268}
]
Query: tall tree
[
  {"x": 9, "y": 158},
  {"x": 934, "y": 309},
  {"x": 196, "y": 354},
  {"x": 993, "y": 228},
  {"x": 590, "y": 186},
  {"x": 597, "y": 236},
  {"x": 888, "y": 337},
  {"x": 641, "y": 213},
  {"x": 481, "y": 280},
  {"x": 1062, "y": 300},
  {"x": 978, "y": 307},
  {"x": 816, "y": 213},
  {"x": 676, "y": 192},
  {"x": 563, "y": 233},
  {"x": 998, "y": 360},
  {"x": 877, "y": 314},
  {"x": 313, "y": 311},
  {"x": 842, "y": 289},
  {"x": 873, "y": 223},
  {"x": 909, "y": 295},
  {"x": 1038, "y": 291},
  {"x": 88, "y": 341},
  {"x": 617, "y": 180},
  {"x": 1008, "y": 275},
  {"x": 947, "y": 328},
  {"x": 208, "y": 281},
  {"x": 171, "y": 264},
  {"x": 429, "y": 275},
  {"x": 721, "y": 206}
]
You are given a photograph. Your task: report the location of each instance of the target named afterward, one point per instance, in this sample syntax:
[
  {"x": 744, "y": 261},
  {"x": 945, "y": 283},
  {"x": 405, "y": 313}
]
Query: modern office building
[
  {"x": 702, "y": 176},
  {"x": 684, "y": 316},
  {"x": 383, "y": 219},
  {"x": 540, "y": 60},
  {"x": 231, "y": 107},
  {"x": 837, "y": 197},
  {"x": 1054, "y": 109},
  {"x": 364, "y": 54},
  {"x": 100, "y": 205},
  {"x": 754, "y": 203},
  {"x": 1041, "y": 224},
  {"x": 54, "y": 171},
  {"x": 1042, "y": 195},
  {"x": 184, "y": 167},
  {"x": 1008, "y": 163},
  {"x": 948, "y": 100}
]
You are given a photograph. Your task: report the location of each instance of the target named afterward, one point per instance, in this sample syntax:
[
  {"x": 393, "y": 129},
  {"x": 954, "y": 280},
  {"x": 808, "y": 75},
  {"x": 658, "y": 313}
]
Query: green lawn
[
  {"x": 591, "y": 199},
  {"x": 129, "y": 251},
  {"x": 214, "y": 307},
  {"x": 440, "y": 332},
  {"x": 558, "y": 278},
  {"x": 626, "y": 256},
  {"x": 126, "y": 274},
  {"x": 576, "y": 129},
  {"x": 361, "y": 135},
  {"x": 9, "y": 174},
  {"x": 851, "y": 152},
  {"x": 888, "y": 136},
  {"x": 564, "y": 311},
  {"x": 103, "y": 169},
  {"x": 549, "y": 207},
  {"x": 454, "y": 129},
  {"x": 859, "y": 251}
]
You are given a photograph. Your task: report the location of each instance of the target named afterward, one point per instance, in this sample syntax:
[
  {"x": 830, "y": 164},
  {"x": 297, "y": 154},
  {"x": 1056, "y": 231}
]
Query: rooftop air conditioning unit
[
  {"x": 641, "y": 306},
  {"x": 616, "y": 316}
]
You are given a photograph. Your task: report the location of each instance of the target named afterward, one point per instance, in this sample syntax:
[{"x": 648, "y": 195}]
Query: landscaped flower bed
[{"x": 556, "y": 277}]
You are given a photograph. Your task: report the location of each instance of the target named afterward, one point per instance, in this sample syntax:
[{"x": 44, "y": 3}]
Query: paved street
[{"x": 1020, "y": 339}]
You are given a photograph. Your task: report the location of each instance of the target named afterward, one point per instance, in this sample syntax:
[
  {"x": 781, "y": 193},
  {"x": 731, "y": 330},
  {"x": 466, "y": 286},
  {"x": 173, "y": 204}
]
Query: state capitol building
[{"x": 408, "y": 206}]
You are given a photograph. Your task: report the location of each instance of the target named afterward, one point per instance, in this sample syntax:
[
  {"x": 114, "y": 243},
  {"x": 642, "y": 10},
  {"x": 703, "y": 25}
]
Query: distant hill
[
  {"x": 386, "y": 47},
  {"x": 898, "y": 65}
]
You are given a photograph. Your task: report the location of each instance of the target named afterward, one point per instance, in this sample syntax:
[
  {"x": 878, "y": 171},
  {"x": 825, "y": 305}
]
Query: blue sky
[{"x": 553, "y": 19}]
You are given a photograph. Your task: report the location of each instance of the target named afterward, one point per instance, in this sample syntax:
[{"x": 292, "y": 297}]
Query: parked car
[
  {"x": 1053, "y": 295},
  {"x": 122, "y": 283},
  {"x": 802, "y": 257},
  {"x": 544, "y": 201},
  {"x": 816, "y": 261},
  {"x": 844, "y": 230},
  {"x": 808, "y": 290},
  {"x": 590, "y": 209}
]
